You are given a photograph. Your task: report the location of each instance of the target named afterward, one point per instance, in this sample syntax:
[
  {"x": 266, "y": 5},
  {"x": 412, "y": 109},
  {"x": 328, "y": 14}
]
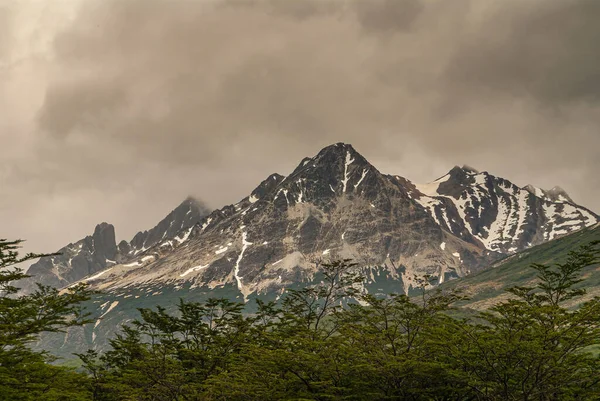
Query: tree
[
  {"x": 329, "y": 341},
  {"x": 393, "y": 343},
  {"x": 295, "y": 350},
  {"x": 532, "y": 346},
  {"x": 26, "y": 374},
  {"x": 166, "y": 357}
]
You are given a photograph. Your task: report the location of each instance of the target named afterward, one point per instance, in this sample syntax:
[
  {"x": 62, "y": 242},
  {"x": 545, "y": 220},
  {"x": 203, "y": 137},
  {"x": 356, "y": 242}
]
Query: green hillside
[{"x": 487, "y": 287}]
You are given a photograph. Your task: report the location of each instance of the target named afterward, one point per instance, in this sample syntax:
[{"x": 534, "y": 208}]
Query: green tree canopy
[
  {"x": 26, "y": 374},
  {"x": 331, "y": 341}
]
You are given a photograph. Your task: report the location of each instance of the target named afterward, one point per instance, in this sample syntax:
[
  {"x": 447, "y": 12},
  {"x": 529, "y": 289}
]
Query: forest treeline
[{"x": 316, "y": 345}]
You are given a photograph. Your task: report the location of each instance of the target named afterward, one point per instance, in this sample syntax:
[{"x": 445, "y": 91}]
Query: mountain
[
  {"x": 337, "y": 205},
  {"x": 487, "y": 287},
  {"x": 94, "y": 253},
  {"x": 75, "y": 261},
  {"x": 170, "y": 231},
  {"x": 498, "y": 215},
  {"x": 333, "y": 205}
]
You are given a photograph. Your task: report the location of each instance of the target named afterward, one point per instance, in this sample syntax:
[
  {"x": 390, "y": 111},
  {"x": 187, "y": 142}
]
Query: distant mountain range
[
  {"x": 95, "y": 253},
  {"x": 333, "y": 205}
]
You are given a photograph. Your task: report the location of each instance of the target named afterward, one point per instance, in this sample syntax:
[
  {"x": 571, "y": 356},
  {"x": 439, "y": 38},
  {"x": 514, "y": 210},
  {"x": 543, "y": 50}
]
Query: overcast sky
[{"x": 117, "y": 110}]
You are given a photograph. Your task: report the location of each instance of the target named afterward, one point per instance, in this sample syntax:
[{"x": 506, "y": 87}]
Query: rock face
[
  {"x": 171, "y": 230},
  {"x": 337, "y": 205},
  {"x": 333, "y": 205},
  {"x": 96, "y": 252},
  {"x": 78, "y": 260},
  {"x": 494, "y": 213}
]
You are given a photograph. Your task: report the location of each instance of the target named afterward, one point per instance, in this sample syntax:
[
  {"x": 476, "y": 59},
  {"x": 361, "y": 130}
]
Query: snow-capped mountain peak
[
  {"x": 336, "y": 204},
  {"x": 497, "y": 213},
  {"x": 333, "y": 205}
]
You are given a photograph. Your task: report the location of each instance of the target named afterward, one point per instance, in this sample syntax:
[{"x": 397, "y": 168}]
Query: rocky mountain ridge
[
  {"x": 337, "y": 205},
  {"x": 333, "y": 205},
  {"x": 99, "y": 251},
  {"x": 479, "y": 207}
]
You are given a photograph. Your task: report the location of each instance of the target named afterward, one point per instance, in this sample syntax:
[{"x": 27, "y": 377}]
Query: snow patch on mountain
[
  {"x": 431, "y": 189},
  {"x": 349, "y": 160},
  {"x": 185, "y": 236},
  {"x": 362, "y": 177},
  {"x": 193, "y": 269},
  {"x": 236, "y": 271},
  {"x": 110, "y": 308},
  {"x": 96, "y": 276},
  {"x": 136, "y": 263},
  {"x": 221, "y": 250}
]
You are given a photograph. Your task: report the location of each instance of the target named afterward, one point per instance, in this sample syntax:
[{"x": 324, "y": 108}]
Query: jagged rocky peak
[
  {"x": 336, "y": 170},
  {"x": 465, "y": 178},
  {"x": 556, "y": 194},
  {"x": 265, "y": 187},
  {"x": 454, "y": 182},
  {"x": 74, "y": 261},
  {"x": 481, "y": 208},
  {"x": 104, "y": 242},
  {"x": 183, "y": 217},
  {"x": 339, "y": 152},
  {"x": 332, "y": 160},
  {"x": 100, "y": 250}
]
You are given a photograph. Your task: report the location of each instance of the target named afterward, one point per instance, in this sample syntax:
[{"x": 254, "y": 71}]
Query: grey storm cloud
[
  {"x": 145, "y": 102},
  {"x": 548, "y": 52}
]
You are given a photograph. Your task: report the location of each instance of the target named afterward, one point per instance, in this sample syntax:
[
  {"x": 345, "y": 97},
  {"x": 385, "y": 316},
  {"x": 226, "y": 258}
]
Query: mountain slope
[
  {"x": 337, "y": 205},
  {"x": 170, "y": 231},
  {"x": 487, "y": 287},
  {"x": 492, "y": 211},
  {"x": 333, "y": 205},
  {"x": 94, "y": 253},
  {"x": 77, "y": 260}
]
